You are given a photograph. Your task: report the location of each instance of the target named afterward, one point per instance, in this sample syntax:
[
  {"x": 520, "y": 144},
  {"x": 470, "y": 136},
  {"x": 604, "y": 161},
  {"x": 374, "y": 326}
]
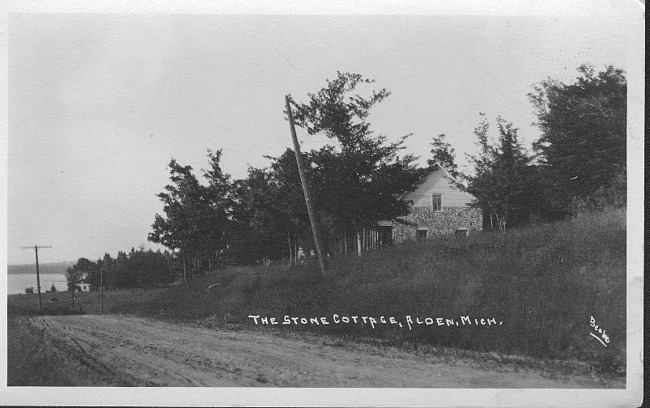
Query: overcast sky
[{"x": 100, "y": 103}]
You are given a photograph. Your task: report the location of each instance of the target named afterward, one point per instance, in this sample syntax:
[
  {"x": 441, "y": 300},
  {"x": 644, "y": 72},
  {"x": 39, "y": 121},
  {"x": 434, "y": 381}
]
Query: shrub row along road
[{"x": 130, "y": 351}]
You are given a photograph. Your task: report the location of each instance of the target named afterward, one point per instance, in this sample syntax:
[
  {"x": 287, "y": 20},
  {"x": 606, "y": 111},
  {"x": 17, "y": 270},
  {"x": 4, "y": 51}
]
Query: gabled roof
[
  {"x": 430, "y": 170},
  {"x": 447, "y": 173}
]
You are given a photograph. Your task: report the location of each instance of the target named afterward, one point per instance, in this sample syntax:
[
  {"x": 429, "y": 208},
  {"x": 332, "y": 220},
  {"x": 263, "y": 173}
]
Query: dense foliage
[
  {"x": 137, "y": 269},
  {"x": 582, "y": 150},
  {"x": 443, "y": 153},
  {"x": 358, "y": 177},
  {"x": 355, "y": 179},
  {"x": 579, "y": 161},
  {"x": 197, "y": 218},
  {"x": 504, "y": 181}
]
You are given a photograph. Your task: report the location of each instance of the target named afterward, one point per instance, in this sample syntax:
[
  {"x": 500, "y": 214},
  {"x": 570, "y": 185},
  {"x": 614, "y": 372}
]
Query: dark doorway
[{"x": 385, "y": 236}]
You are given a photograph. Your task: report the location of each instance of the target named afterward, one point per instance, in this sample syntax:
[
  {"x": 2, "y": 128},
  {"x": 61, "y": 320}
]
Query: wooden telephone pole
[
  {"x": 305, "y": 187},
  {"x": 101, "y": 289},
  {"x": 38, "y": 277}
]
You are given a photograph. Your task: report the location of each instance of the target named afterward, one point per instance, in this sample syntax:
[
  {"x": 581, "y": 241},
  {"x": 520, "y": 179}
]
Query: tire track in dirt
[
  {"x": 143, "y": 352},
  {"x": 70, "y": 349}
]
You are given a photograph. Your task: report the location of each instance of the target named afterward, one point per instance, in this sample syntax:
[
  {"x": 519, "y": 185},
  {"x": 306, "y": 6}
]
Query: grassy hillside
[{"x": 539, "y": 286}]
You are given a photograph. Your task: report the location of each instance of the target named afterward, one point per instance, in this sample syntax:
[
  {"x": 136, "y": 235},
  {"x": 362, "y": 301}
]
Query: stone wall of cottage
[{"x": 438, "y": 223}]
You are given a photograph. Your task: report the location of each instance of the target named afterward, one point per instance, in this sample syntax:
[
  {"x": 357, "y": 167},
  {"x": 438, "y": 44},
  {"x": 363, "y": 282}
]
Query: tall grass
[{"x": 542, "y": 282}]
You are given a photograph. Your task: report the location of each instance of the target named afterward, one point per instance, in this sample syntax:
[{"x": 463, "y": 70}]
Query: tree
[
  {"x": 215, "y": 216},
  {"x": 174, "y": 230},
  {"x": 177, "y": 230},
  {"x": 358, "y": 176},
  {"x": 289, "y": 205},
  {"x": 197, "y": 218},
  {"x": 340, "y": 118},
  {"x": 154, "y": 269},
  {"x": 271, "y": 216},
  {"x": 501, "y": 183},
  {"x": 53, "y": 288},
  {"x": 139, "y": 268},
  {"x": 121, "y": 276},
  {"x": 83, "y": 270},
  {"x": 108, "y": 267},
  {"x": 582, "y": 149},
  {"x": 443, "y": 154}
]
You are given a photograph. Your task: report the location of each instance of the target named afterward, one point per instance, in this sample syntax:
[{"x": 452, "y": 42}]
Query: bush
[{"x": 29, "y": 290}]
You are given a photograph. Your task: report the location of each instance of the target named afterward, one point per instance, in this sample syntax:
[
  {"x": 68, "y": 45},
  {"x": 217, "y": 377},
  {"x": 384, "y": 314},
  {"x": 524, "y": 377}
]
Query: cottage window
[
  {"x": 422, "y": 234},
  {"x": 436, "y": 199}
]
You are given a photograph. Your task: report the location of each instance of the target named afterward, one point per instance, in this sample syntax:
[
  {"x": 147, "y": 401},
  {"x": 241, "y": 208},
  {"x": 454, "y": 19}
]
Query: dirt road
[{"x": 130, "y": 351}]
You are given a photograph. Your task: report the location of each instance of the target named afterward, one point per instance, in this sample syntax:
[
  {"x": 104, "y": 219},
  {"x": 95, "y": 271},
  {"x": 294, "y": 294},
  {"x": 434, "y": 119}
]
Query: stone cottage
[{"x": 438, "y": 208}]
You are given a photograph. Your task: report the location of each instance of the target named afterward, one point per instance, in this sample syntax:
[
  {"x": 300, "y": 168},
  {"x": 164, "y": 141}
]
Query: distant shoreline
[
  {"x": 43, "y": 268},
  {"x": 41, "y": 272}
]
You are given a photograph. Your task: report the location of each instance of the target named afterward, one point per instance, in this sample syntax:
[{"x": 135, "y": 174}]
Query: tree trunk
[
  {"x": 502, "y": 223},
  {"x": 290, "y": 249},
  {"x": 184, "y": 271},
  {"x": 358, "y": 243}
]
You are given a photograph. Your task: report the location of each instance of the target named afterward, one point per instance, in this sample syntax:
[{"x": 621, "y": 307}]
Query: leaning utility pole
[
  {"x": 38, "y": 277},
  {"x": 312, "y": 214}
]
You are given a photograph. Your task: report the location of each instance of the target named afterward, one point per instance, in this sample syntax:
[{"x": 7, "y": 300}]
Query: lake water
[{"x": 17, "y": 283}]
